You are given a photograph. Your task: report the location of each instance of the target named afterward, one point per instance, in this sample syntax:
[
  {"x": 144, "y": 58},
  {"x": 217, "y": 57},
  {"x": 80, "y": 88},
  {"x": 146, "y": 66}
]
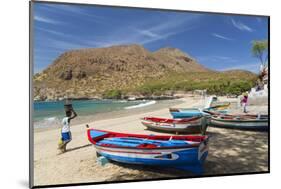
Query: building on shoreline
[{"x": 259, "y": 94}]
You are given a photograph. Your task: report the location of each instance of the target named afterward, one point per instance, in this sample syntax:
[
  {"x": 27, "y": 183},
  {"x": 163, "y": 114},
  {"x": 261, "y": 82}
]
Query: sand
[{"x": 231, "y": 151}]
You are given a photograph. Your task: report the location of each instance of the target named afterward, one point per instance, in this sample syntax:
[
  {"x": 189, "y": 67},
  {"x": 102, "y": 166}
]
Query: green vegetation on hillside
[
  {"x": 112, "y": 94},
  {"x": 216, "y": 83}
]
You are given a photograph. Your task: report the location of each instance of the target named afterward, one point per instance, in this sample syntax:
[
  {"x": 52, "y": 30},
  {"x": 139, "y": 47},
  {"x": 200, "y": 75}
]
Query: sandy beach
[{"x": 230, "y": 151}]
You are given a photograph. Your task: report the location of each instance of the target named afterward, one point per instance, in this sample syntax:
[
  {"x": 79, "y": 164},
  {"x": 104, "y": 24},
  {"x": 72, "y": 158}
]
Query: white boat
[{"x": 189, "y": 125}]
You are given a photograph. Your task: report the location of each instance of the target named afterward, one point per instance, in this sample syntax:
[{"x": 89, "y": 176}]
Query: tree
[{"x": 260, "y": 50}]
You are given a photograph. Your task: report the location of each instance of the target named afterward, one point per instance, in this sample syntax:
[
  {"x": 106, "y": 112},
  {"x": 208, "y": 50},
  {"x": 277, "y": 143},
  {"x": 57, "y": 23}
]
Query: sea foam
[
  {"x": 47, "y": 122},
  {"x": 141, "y": 105}
]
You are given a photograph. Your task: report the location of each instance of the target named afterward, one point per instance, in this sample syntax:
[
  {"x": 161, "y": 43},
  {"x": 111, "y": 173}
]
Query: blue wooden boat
[
  {"x": 183, "y": 152},
  {"x": 185, "y": 112},
  {"x": 195, "y": 112}
]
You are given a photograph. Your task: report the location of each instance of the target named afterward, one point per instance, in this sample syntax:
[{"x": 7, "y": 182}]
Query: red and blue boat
[{"x": 183, "y": 152}]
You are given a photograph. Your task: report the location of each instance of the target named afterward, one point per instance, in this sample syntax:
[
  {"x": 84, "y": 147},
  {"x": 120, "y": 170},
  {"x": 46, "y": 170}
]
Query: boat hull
[
  {"x": 185, "y": 112},
  {"x": 191, "y": 159},
  {"x": 192, "y": 127},
  {"x": 167, "y": 157},
  {"x": 184, "y": 157},
  {"x": 219, "y": 107},
  {"x": 261, "y": 125}
]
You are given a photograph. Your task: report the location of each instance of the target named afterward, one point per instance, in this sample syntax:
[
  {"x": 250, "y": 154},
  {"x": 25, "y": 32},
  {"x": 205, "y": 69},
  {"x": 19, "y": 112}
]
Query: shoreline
[
  {"x": 114, "y": 114},
  {"x": 133, "y": 98}
]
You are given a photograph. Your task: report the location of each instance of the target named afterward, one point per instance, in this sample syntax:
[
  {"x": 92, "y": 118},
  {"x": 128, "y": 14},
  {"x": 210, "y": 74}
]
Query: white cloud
[
  {"x": 221, "y": 37},
  {"x": 64, "y": 45},
  {"x": 143, "y": 32},
  {"x": 173, "y": 22},
  {"x": 241, "y": 26},
  {"x": 74, "y": 11},
  {"x": 135, "y": 33},
  {"x": 45, "y": 20},
  {"x": 148, "y": 32},
  {"x": 50, "y": 31}
]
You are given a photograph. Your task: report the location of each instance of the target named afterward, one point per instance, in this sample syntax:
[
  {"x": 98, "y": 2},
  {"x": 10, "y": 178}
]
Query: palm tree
[{"x": 260, "y": 50}]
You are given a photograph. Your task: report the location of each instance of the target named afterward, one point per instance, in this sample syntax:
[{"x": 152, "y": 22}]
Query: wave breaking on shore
[{"x": 141, "y": 105}]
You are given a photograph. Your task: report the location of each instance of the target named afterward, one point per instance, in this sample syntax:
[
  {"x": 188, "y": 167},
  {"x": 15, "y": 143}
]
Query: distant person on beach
[
  {"x": 244, "y": 102},
  {"x": 65, "y": 130}
]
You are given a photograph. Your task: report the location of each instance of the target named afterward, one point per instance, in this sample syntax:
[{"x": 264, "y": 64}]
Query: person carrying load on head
[{"x": 65, "y": 130}]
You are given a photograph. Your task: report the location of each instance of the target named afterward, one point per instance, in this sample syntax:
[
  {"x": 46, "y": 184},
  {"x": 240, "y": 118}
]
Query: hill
[{"x": 127, "y": 69}]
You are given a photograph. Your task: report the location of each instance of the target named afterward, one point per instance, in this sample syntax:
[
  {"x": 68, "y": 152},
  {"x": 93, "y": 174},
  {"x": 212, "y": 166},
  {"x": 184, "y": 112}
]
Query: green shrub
[{"x": 113, "y": 94}]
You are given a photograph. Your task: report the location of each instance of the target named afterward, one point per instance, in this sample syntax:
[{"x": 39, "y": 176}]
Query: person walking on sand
[
  {"x": 244, "y": 102},
  {"x": 65, "y": 130}
]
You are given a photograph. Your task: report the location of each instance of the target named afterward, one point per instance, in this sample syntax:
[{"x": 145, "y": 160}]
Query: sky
[{"x": 217, "y": 41}]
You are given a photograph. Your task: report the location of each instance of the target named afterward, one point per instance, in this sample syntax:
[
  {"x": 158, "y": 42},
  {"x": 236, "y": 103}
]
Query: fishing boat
[
  {"x": 247, "y": 122},
  {"x": 211, "y": 112},
  {"x": 183, "y": 152},
  {"x": 195, "y": 112},
  {"x": 217, "y": 107},
  {"x": 192, "y": 125},
  {"x": 185, "y": 112}
]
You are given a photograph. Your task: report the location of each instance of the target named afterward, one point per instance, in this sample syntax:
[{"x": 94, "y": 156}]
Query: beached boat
[
  {"x": 247, "y": 122},
  {"x": 195, "y": 112},
  {"x": 182, "y": 152},
  {"x": 222, "y": 106},
  {"x": 211, "y": 112},
  {"x": 192, "y": 125},
  {"x": 185, "y": 112}
]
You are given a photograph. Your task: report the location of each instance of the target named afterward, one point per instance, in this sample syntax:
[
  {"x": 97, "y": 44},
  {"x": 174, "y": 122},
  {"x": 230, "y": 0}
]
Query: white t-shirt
[{"x": 65, "y": 125}]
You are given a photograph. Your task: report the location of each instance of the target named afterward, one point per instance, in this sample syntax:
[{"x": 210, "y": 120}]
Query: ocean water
[{"x": 51, "y": 113}]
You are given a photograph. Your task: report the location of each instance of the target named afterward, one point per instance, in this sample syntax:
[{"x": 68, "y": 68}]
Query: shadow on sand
[
  {"x": 236, "y": 151},
  {"x": 79, "y": 147}
]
